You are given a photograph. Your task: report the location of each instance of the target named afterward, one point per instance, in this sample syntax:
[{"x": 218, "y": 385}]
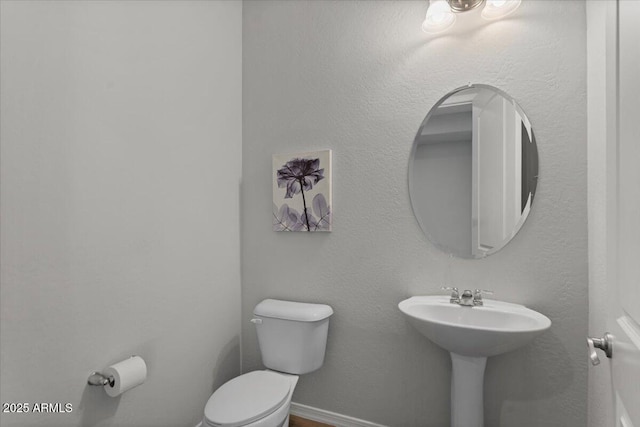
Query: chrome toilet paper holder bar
[
  {"x": 96, "y": 378},
  {"x": 99, "y": 379}
]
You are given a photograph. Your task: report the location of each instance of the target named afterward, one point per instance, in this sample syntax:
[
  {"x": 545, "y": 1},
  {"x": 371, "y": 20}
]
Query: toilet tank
[{"x": 292, "y": 335}]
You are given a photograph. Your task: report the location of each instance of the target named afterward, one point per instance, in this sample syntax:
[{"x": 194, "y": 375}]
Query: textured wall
[
  {"x": 121, "y": 145},
  {"x": 359, "y": 77}
]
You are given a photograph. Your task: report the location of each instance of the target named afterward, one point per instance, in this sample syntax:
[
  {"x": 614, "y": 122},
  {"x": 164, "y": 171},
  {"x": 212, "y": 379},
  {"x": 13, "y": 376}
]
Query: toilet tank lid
[{"x": 290, "y": 310}]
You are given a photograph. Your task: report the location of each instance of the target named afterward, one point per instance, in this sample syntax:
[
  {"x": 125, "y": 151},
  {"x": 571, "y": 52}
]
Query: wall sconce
[{"x": 441, "y": 14}]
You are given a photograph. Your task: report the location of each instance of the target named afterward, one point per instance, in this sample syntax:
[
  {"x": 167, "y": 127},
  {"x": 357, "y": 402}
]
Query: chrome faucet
[
  {"x": 468, "y": 298},
  {"x": 477, "y": 296},
  {"x": 455, "y": 296}
]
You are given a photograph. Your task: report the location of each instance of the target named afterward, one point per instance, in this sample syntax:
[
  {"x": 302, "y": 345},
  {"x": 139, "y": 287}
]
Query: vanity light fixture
[
  {"x": 441, "y": 14},
  {"x": 439, "y": 17},
  {"x": 496, "y": 9}
]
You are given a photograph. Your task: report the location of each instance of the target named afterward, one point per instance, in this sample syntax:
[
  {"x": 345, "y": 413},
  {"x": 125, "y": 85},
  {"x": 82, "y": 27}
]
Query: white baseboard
[{"x": 320, "y": 415}]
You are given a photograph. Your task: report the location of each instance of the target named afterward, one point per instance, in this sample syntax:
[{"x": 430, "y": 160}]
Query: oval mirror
[{"x": 473, "y": 171}]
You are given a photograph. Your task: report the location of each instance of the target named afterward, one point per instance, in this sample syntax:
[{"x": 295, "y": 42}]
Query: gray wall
[
  {"x": 359, "y": 77},
  {"x": 121, "y": 165}
]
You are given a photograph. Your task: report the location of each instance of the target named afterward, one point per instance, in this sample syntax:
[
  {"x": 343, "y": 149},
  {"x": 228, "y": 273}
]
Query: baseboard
[{"x": 320, "y": 415}]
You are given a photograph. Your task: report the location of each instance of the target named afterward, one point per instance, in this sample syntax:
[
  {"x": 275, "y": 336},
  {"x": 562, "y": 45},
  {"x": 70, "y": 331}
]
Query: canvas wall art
[{"x": 302, "y": 191}]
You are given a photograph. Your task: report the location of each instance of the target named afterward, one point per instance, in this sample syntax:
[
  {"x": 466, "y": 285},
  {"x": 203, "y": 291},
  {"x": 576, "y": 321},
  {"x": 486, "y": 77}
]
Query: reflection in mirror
[{"x": 473, "y": 171}]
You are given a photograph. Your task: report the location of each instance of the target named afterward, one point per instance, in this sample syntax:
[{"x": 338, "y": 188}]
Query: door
[
  {"x": 497, "y": 160},
  {"x": 488, "y": 151},
  {"x": 623, "y": 210}
]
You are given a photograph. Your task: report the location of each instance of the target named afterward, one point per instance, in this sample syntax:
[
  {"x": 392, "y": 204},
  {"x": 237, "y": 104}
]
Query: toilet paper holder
[{"x": 96, "y": 378}]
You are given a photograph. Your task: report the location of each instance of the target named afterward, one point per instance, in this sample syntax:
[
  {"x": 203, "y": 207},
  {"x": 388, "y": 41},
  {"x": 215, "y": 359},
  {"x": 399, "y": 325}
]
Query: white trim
[{"x": 320, "y": 415}]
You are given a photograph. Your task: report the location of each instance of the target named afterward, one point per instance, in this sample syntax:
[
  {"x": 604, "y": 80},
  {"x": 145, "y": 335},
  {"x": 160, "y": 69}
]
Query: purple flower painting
[{"x": 302, "y": 192}]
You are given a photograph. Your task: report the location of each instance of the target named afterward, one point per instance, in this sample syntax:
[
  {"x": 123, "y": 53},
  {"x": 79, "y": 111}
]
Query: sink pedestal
[
  {"x": 477, "y": 332},
  {"x": 467, "y": 381}
]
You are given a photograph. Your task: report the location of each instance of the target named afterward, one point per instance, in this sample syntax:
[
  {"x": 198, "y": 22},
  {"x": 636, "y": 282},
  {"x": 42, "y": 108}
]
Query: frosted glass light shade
[
  {"x": 496, "y": 9},
  {"x": 439, "y": 17}
]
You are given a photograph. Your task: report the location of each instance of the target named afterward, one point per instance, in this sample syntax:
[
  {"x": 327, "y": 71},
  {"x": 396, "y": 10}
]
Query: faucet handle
[
  {"x": 477, "y": 296},
  {"x": 455, "y": 295}
]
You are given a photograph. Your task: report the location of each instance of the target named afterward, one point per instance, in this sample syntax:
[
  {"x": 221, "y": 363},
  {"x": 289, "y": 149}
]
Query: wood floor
[{"x": 302, "y": 422}]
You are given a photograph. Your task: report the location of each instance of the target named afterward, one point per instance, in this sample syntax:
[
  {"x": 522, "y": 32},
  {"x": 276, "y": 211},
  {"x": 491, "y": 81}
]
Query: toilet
[{"x": 292, "y": 338}]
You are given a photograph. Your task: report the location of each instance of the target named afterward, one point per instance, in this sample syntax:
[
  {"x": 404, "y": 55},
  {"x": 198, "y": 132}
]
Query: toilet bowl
[
  {"x": 292, "y": 337},
  {"x": 255, "y": 399}
]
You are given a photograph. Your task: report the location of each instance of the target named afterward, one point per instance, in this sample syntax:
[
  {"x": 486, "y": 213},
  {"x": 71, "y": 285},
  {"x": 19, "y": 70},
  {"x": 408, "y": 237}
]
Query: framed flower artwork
[{"x": 302, "y": 191}]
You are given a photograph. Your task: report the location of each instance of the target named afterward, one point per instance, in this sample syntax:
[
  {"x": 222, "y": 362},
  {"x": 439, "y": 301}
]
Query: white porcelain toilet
[{"x": 292, "y": 338}]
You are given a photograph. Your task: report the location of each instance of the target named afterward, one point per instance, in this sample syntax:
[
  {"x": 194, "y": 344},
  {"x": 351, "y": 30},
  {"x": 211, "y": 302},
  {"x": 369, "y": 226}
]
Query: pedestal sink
[{"x": 471, "y": 334}]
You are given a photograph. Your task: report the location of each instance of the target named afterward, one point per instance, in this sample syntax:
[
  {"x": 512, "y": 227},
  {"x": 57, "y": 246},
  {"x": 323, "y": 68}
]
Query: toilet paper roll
[{"x": 126, "y": 374}]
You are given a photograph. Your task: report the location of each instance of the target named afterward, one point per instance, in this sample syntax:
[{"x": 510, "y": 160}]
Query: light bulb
[
  {"x": 496, "y": 9},
  {"x": 439, "y": 17}
]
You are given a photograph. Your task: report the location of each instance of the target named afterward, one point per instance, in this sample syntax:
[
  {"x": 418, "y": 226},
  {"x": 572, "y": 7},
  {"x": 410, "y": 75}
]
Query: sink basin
[
  {"x": 471, "y": 334},
  {"x": 495, "y": 328}
]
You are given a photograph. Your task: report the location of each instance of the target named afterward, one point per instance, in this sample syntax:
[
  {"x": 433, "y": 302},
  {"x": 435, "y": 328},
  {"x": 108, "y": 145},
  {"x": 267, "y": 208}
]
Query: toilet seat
[{"x": 247, "y": 398}]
